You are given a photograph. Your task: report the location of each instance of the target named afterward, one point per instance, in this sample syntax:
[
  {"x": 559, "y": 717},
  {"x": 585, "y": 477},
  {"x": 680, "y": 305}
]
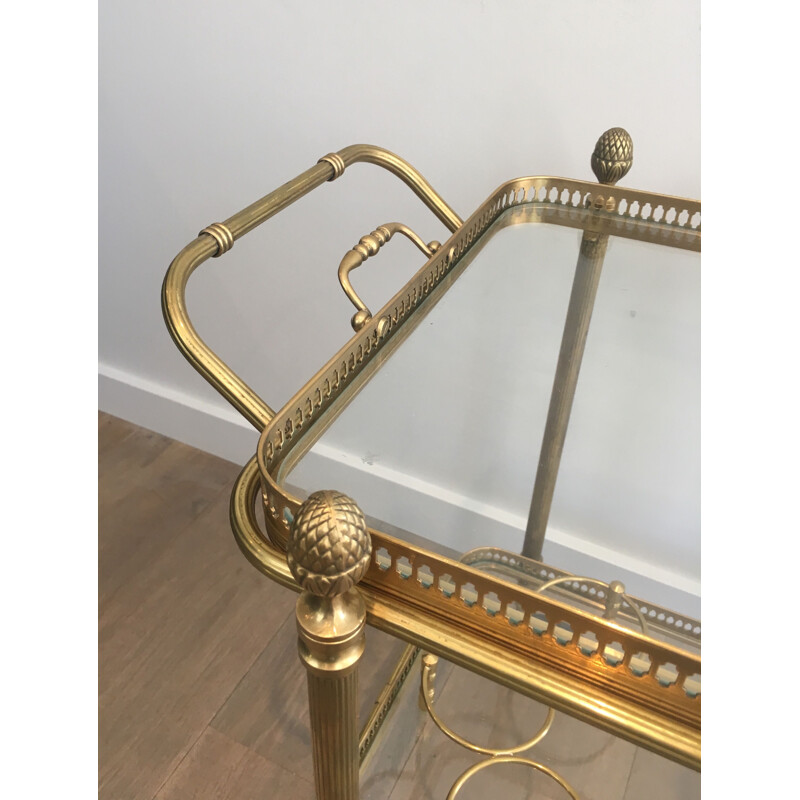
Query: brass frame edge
[{"x": 672, "y": 739}]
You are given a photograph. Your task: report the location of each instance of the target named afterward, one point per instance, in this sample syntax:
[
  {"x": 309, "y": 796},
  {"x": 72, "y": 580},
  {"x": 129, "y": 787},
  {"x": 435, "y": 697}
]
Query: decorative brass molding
[
  {"x": 515, "y": 567},
  {"x": 532, "y": 624},
  {"x": 336, "y": 161},
  {"x": 221, "y": 235},
  {"x": 386, "y": 699}
]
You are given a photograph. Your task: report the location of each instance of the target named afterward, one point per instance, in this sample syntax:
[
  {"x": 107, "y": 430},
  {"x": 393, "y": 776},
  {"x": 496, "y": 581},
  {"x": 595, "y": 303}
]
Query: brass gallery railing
[{"x": 502, "y": 631}]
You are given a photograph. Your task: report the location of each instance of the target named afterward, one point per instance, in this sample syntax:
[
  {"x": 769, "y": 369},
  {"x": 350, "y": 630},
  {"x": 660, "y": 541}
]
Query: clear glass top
[{"x": 443, "y": 441}]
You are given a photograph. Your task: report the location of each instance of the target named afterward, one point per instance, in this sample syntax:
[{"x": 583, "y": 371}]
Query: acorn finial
[
  {"x": 329, "y": 546},
  {"x": 612, "y": 156}
]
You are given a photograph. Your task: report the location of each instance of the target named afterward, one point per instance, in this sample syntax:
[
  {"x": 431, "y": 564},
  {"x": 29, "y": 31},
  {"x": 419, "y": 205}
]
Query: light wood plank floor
[{"x": 201, "y": 691}]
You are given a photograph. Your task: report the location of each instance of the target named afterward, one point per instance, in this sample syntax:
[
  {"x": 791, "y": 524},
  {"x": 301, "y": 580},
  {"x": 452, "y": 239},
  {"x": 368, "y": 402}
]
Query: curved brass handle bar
[
  {"x": 368, "y": 246},
  {"x": 196, "y": 351},
  {"x": 489, "y": 762},
  {"x": 476, "y": 748},
  {"x": 219, "y": 238}
]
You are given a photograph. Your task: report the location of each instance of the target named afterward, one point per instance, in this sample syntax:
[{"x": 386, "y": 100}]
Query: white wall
[{"x": 206, "y": 107}]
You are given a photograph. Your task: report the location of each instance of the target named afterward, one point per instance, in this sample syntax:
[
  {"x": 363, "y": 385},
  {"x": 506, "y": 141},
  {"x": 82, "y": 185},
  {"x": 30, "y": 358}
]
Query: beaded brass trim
[
  {"x": 386, "y": 700},
  {"x": 532, "y": 573}
]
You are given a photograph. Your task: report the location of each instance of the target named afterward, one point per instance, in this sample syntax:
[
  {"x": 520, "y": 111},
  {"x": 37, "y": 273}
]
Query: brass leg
[
  {"x": 329, "y": 552},
  {"x": 611, "y": 160},
  {"x": 331, "y": 641}
]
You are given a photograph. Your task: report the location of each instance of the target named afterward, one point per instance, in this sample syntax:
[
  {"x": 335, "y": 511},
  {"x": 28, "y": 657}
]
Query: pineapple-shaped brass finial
[
  {"x": 329, "y": 546},
  {"x": 612, "y": 156}
]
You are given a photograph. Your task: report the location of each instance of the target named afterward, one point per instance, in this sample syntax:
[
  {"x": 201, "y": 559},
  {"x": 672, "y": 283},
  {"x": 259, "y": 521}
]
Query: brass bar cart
[{"x": 583, "y": 647}]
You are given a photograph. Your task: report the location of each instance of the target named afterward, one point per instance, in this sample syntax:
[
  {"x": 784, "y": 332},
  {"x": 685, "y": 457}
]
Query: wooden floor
[{"x": 201, "y": 691}]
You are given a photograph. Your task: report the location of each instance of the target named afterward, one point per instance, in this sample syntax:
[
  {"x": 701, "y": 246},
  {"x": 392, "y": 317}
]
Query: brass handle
[
  {"x": 219, "y": 238},
  {"x": 369, "y": 246}
]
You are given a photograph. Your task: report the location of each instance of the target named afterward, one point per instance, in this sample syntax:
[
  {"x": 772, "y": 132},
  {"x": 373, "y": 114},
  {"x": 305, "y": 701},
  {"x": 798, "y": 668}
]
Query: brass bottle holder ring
[
  {"x": 368, "y": 246},
  {"x": 490, "y": 762},
  {"x": 615, "y": 596},
  {"x": 427, "y": 692}
]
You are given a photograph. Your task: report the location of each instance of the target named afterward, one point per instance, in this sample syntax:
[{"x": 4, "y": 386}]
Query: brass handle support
[
  {"x": 329, "y": 551},
  {"x": 368, "y": 246},
  {"x": 611, "y": 160},
  {"x": 218, "y": 238}
]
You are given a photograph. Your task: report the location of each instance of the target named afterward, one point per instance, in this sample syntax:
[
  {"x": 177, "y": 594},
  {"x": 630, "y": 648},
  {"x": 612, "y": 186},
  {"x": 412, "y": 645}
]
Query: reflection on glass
[{"x": 443, "y": 441}]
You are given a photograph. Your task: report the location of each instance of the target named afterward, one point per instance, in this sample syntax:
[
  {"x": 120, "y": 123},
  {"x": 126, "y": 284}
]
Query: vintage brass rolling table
[{"x": 582, "y": 646}]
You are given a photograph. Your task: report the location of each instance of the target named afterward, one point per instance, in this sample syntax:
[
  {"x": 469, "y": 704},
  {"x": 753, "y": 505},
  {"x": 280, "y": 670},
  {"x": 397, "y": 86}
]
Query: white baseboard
[
  {"x": 217, "y": 429},
  {"x": 405, "y": 500}
]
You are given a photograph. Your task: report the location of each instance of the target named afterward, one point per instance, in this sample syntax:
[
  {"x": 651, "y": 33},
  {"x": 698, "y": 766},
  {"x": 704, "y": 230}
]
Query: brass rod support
[
  {"x": 211, "y": 241},
  {"x": 611, "y": 160}
]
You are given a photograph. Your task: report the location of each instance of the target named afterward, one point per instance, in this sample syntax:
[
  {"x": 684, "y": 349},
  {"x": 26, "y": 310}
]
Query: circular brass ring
[
  {"x": 476, "y": 748},
  {"x": 465, "y": 776},
  {"x": 221, "y": 235},
  {"x": 337, "y": 162}
]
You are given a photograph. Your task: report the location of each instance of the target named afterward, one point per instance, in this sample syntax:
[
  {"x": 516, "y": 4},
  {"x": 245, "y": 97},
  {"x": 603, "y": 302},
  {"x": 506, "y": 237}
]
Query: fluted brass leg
[
  {"x": 331, "y": 641},
  {"x": 329, "y": 552}
]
